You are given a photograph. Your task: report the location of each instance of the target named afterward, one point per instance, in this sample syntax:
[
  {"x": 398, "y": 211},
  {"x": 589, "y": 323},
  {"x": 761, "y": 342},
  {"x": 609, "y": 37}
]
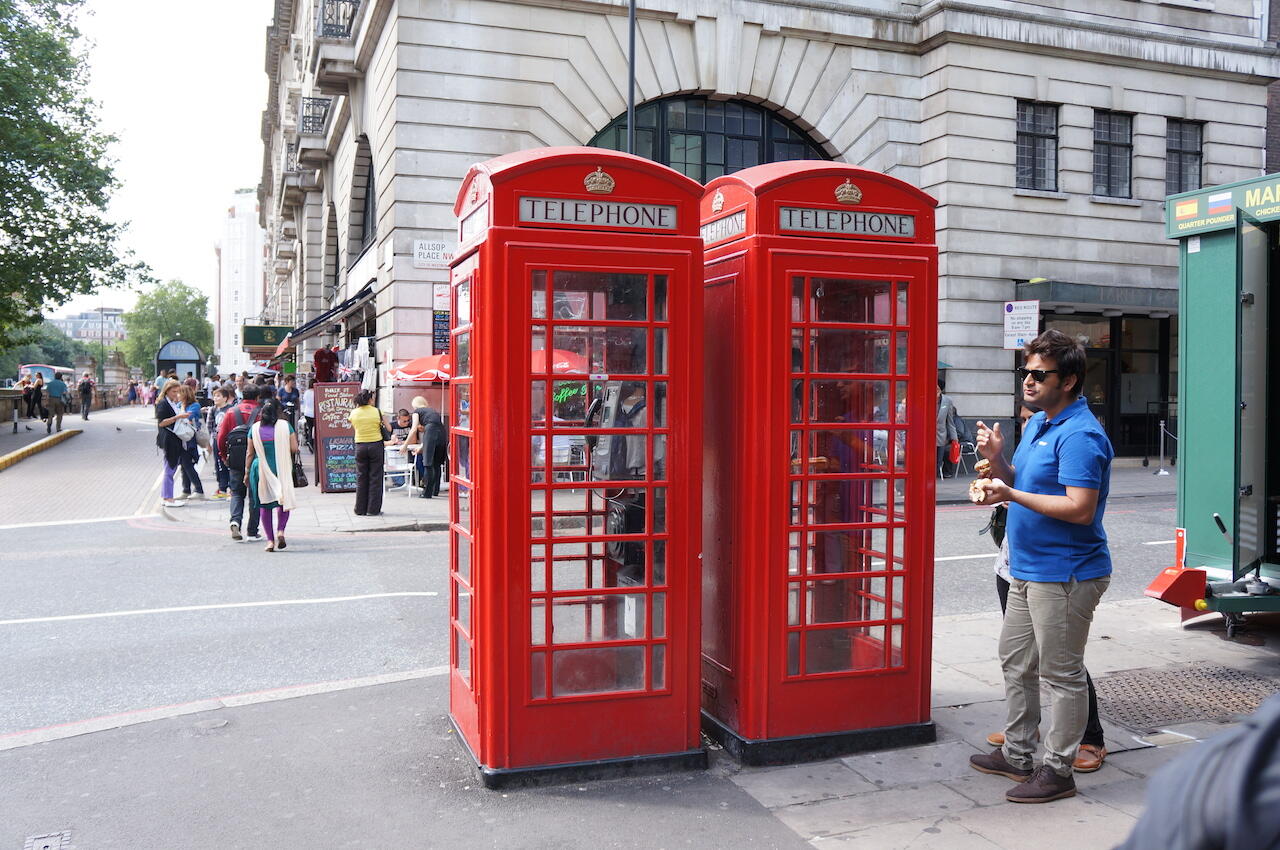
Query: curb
[
  {"x": 419, "y": 525},
  {"x": 38, "y": 446}
]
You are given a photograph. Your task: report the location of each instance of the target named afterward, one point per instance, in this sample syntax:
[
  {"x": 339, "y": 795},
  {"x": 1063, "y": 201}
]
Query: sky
[{"x": 183, "y": 86}]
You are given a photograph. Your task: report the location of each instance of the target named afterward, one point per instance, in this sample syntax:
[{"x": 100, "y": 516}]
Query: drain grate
[
  {"x": 1146, "y": 699},
  {"x": 52, "y": 841}
]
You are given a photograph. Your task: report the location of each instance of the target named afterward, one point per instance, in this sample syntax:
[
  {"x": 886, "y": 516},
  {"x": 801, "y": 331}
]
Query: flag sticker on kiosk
[
  {"x": 1220, "y": 203},
  {"x": 1188, "y": 209}
]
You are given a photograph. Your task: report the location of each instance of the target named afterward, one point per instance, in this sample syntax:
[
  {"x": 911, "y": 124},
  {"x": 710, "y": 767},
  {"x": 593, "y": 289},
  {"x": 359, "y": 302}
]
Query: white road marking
[
  {"x": 73, "y": 521},
  {"x": 183, "y": 608},
  {"x": 25, "y": 738},
  {"x": 967, "y": 557},
  {"x": 1159, "y": 542},
  {"x": 149, "y": 500}
]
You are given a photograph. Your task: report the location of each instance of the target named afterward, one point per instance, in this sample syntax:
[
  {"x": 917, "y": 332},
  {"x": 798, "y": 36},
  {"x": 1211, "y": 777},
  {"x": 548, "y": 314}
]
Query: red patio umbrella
[{"x": 561, "y": 361}]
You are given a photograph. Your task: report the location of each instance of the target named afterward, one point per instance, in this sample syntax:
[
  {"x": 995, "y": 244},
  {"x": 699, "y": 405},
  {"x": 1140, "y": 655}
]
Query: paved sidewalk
[
  {"x": 379, "y": 766},
  {"x": 403, "y": 509},
  {"x": 1126, "y": 481}
]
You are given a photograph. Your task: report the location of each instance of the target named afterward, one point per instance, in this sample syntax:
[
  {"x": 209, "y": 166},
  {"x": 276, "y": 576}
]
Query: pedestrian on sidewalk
[
  {"x": 222, "y": 402},
  {"x": 190, "y": 478},
  {"x": 431, "y": 456},
  {"x": 170, "y": 413},
  {"x": 233, "y": 446},
  {"x": 57, "y": 390},
  {"x": 946, "y": 432},
  {"x": 1093, "y": 746},
  {"x": 1059, "y": 566},
  {"x": 273, "y": 445},
  {"x": 86, "y": 396},
  {"x": 25, "y": 385},
  {"x": 370, "y": 454}
]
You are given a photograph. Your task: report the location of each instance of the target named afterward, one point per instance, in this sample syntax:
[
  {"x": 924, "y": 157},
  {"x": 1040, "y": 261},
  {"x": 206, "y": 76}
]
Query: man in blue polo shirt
[{"x": 1059, "y": 562}]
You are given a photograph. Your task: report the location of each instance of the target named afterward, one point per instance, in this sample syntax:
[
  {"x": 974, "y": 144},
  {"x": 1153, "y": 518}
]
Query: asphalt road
[
  {"x": 118, "y": 646},
  {"x": 332, "y": 607},
  {"x": 1139, "y": 532}
]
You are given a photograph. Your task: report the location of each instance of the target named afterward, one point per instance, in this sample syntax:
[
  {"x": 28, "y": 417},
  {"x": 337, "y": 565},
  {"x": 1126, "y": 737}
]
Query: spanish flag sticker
[{"x": 1186, "y": 209}]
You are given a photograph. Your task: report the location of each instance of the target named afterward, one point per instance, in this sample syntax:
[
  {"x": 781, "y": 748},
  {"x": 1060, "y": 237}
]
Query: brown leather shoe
[
  {"x": 1089, "y": 758},
  {"x": 1043, "y": 786},
  {"x": 996, "y": 764},
  {"x": 996, "y": 739}
]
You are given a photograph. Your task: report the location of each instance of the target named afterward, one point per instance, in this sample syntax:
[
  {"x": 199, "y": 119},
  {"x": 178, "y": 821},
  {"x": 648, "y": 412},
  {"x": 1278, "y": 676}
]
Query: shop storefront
[{"x": 1131, "y": 378}]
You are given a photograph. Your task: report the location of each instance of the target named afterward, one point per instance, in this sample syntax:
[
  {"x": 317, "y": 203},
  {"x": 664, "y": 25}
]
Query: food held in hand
[{"x": 976, "y": 494}]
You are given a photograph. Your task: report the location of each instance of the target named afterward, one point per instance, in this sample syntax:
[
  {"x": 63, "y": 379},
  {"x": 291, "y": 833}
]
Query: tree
[
  {"x": 48, "y": 345},
  {"x": 55, "y": 177},
  {"x": 166, "y": 312}
]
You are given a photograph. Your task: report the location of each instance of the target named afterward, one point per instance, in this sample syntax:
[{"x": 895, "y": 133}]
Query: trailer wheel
[{"x": 1234, "y": 623}]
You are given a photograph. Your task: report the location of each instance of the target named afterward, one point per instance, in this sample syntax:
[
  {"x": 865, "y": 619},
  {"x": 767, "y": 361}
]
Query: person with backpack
[
  {"x": 86, "y": 396},
  {"x": 233, "y": 446}
]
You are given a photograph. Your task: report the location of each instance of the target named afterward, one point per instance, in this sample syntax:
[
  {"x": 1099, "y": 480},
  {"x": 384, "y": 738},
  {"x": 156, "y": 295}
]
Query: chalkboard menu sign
[{"x": 335, "y": 439}]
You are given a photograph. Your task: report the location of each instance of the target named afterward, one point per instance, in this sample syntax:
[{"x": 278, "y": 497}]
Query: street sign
[
  {"x": 432, "y": 254},
  {"x": 1021, "y": 323}
]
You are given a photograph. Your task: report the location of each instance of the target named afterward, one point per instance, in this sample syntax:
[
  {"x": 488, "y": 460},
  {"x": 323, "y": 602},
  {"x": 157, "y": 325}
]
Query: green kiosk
[{"x": 1229, "y": 401}]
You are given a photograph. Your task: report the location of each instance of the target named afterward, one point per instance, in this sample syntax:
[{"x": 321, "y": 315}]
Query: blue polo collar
[{"x": 1074, "y": 409}]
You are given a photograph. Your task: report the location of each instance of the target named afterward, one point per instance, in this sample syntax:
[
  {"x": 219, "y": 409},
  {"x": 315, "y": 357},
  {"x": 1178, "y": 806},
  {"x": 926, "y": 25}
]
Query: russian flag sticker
[{"x": 1220, "y": 203}]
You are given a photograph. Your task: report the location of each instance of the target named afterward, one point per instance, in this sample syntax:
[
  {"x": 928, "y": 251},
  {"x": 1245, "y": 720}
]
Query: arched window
[
  {"x": 362, "y": 224},
  {"x": 704, "y": 139}
]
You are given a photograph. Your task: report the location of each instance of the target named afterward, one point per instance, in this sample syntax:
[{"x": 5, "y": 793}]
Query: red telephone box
[
  {"x": 576, "y": 432},
  {"x": 821, "y": 332}
]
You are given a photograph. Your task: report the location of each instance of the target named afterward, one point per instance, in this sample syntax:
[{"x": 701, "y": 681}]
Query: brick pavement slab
[{"x": 106, "y": 471}]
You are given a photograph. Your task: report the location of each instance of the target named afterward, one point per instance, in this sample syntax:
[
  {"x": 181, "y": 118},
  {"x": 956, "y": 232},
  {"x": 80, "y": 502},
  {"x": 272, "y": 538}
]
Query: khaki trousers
[{"x": 1046, "y": 627}]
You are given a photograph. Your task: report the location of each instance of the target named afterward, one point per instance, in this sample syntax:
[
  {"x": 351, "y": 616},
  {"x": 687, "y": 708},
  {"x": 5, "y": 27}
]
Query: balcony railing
[
  {"x": 291, "y": 156},
  {"x": 336, "y": 18},
  {"x": 315, "y": 114}
]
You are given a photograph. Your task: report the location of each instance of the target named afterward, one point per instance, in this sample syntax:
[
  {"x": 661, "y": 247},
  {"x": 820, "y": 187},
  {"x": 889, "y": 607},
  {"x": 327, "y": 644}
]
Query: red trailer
[
  {"x": 821, "y": 368},
  {"x": 576, "y": 435}
]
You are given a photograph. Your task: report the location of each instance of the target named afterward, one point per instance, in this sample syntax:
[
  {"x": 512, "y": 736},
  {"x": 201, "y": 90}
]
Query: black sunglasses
[{"x": 1038, "y": 375}]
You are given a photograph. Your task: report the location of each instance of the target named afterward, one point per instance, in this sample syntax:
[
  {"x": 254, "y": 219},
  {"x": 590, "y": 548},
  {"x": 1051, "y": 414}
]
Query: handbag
[
  {"x": 202, "y": 437},
  {"x": 995, "y": 525},
  {"x": 953, "y": 452},
  {"x": 384, "y": 430},
  {"x": 184, "y": 430},
  {"x": 299, "y": 474}
]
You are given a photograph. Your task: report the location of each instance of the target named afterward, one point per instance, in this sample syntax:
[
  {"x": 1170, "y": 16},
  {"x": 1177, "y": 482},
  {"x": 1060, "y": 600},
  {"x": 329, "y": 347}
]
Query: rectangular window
[
  {"x": 1112, "y": 153},
  {"x": 1037, "y": 146},
  {"x": 1183, "y": 156}
]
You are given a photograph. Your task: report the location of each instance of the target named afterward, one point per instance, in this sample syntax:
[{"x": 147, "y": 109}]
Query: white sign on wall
[
  {"x": 1021, "y": 323},
  {"x": 440, "y": 296},
  {"x": 432, "y": 254}
]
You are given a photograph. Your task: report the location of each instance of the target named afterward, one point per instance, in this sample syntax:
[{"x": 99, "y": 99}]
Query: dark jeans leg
[
  {"x": 1093, "y": 729},
  {"x": 433, "y": 480},
  {"x": 237, "y": 498},
  {"x": 220, "y": 469},
  {"x": 189, "y": 473}
]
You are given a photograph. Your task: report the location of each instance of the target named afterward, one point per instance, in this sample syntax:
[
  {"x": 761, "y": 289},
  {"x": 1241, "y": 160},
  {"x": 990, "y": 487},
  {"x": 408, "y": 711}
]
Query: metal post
[
  {"x": 1161, "y": 470},
  {"x": 631, "y": 76}
]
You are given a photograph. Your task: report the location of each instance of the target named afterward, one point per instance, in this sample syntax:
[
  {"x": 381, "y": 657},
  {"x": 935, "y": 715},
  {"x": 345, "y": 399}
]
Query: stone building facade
[{"x": 1043, "y": 128}]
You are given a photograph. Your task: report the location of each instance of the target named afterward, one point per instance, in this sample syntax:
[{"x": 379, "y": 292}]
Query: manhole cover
[
  {"x": 1145, "y": 699},
  {"x": 52, "y": 841}
]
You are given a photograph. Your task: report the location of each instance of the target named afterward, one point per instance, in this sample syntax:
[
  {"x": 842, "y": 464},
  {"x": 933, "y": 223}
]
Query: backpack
[{"x": 238, "y": 439}]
